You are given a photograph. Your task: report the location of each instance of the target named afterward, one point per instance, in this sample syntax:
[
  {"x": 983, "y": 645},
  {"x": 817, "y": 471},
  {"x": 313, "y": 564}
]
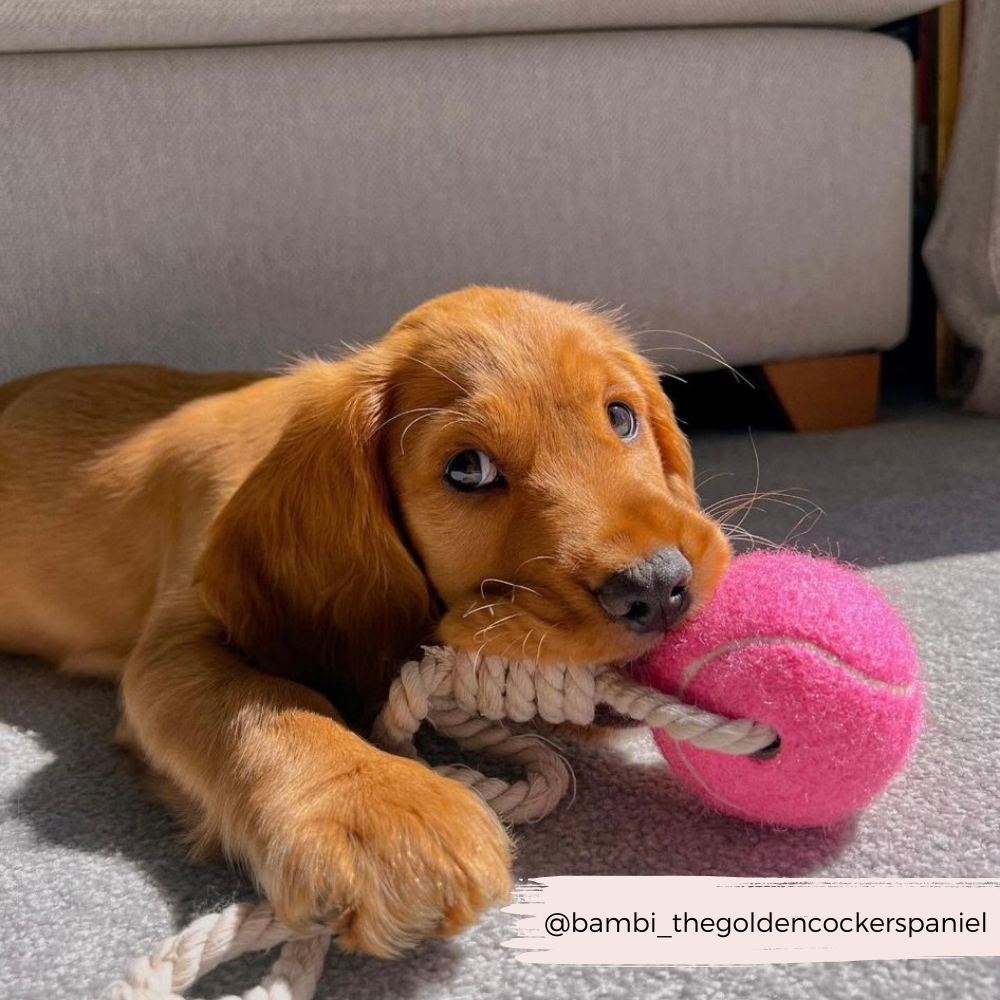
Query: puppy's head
[
  {"x": 501, "y": 472},
  {"x": 542, "y": 480}
]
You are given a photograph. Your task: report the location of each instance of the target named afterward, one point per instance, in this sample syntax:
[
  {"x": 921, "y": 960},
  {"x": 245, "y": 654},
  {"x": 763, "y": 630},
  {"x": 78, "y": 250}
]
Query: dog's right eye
[{"x": 472, "y": 470}]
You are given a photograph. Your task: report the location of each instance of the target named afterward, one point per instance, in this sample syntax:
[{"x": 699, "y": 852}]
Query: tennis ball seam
[
  {"x": 711, "y": 795},
  {"x": 735, "y": 645}
]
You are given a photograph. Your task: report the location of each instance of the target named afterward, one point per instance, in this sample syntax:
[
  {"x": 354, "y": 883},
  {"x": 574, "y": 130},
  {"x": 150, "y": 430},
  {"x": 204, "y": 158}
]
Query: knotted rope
[{"x": 464, "y": 698}]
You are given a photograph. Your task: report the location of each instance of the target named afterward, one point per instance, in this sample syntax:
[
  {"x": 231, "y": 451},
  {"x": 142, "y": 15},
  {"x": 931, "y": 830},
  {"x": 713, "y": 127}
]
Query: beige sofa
[{"x": 227, "y": 183}]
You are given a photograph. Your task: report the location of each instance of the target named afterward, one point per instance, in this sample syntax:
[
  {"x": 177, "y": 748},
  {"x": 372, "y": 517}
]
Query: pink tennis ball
[{"x": 811, "y": 648}]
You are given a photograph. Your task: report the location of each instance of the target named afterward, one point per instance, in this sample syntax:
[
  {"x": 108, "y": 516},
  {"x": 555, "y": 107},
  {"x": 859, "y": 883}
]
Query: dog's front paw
[{"x": 390, "y": 854}]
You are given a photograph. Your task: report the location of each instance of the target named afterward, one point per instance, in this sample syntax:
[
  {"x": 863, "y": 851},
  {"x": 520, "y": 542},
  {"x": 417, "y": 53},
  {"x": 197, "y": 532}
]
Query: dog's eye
[
  {"x": 623, "y": 420},
  {"x": 472, "y": 470}
]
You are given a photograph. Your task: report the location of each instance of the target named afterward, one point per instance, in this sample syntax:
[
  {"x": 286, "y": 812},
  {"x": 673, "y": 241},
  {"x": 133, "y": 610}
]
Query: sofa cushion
[
  {"x": 60, "y": 25},
  {"x": 226, "y": 207}
]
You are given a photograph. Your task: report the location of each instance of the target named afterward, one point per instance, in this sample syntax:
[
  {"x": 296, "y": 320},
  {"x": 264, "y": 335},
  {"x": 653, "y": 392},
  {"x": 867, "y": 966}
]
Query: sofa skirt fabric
[{"x": 228, "y": 207}]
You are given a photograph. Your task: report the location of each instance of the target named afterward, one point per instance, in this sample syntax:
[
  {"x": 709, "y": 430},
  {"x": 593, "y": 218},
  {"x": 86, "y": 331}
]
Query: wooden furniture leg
[{"x": 829, "y": 393}]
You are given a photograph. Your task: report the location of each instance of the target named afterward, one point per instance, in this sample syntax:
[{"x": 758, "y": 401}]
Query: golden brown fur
[{"x": 254, "y": 557}]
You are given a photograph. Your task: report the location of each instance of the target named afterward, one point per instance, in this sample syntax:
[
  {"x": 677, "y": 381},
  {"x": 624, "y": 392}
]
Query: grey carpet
[{"x": 91, "y": 876}]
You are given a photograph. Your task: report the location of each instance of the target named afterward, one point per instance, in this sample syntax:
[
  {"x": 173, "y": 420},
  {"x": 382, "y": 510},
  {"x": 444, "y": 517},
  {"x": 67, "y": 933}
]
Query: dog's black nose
[{"x": 648, "y": 596}]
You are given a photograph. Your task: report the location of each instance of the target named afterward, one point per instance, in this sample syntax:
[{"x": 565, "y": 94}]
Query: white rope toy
[{"x": 464, "y": 698}]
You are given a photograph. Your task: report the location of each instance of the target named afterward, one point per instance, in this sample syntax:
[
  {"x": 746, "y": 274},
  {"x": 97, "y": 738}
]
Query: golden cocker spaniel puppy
[{"x": 255, "y": 556}]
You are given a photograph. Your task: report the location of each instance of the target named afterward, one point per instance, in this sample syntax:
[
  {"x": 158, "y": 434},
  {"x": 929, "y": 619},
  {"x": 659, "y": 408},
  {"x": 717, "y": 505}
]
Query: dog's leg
[{"x": 378, "y": 847}]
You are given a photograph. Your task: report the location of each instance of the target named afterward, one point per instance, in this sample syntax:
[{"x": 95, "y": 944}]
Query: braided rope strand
[
  {"x": 464, "y": 698},
  {"x": 182, "y": 959}
]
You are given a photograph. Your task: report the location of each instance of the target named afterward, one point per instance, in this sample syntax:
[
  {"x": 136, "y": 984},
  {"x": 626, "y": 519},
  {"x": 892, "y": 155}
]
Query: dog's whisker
[
  {"x": 713, "y": 356},
  {"x": 507, "y": 583},
  {"x": 803, "y": 526},
  {"x": 427, "y": 410},
  {"x": 415, "y": 420},
  {"x": 703, "y": 480},
  {"x": 448, "y": 378},
  {"x": 748, "y": 503},
  {"x": 756, "y": 484},
  {"x": 538, "y": 649},
  {"x": 660, "y": 365},
  {"x": 725, "y": 519},
  {"x": 483, "y": 607},
  {"x": 744, "y": 506},
  {"x": 496, "y": 624},
  {"x": 735, "y": 531},
  {"x": 736, "y": 502},
  {"x": 707, "y": 477},
  {"x": 665, "y": 370},
  {"x": 686, "y": 336},
  {"x": 736, "y": 373},
  {"x": 750, "y": 542},
  {"x": 524, "y": 644},
  {"x": 794, "y": 493},
  {"x": 406, "y": 413},
  {"x": 482, "y": 592},
  {"x": 477, "y": 656},
  {"x": 755, "y": 541},
  {"x": 532, "y": 559},
  {"x": 503, "y": 652}
]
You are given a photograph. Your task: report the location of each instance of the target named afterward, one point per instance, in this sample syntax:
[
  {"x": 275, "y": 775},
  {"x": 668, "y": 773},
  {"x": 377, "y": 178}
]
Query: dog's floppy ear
[
  {"x": 675, "y": 451},
  {"x": 305, "y": 566}
]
